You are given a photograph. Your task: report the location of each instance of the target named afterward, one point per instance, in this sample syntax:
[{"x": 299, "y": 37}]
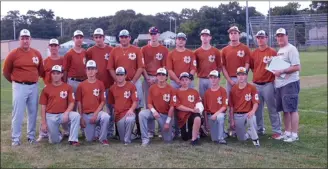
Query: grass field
[{"x": 309, "y": 152}]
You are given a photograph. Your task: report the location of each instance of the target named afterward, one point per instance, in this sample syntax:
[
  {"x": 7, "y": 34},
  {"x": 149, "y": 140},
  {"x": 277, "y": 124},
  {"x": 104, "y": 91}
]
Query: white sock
[
  {"x": 288, "y": 133},
  {"x": 295, "y": 135}
]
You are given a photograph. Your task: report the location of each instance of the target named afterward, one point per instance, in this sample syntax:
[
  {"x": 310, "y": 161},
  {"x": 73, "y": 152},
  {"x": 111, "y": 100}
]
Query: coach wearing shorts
[{"x": 288, "y": 87}]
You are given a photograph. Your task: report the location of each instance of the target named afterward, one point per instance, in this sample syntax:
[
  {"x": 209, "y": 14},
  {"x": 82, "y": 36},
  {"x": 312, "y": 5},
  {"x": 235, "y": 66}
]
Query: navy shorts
[{"x": 287, "y": 97}]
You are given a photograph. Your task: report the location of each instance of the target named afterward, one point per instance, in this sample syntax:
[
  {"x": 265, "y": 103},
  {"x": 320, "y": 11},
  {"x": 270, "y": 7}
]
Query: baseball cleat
[
  {"x": 277, "y": 136},
  {"x": 291, "y": 139},
  {"x": 195, "y": 142},
  {"x": 222, "y": 142},
  {"x": 74, "y": 143},
  {"x": 150, "y": 135},
  {"x": 256, "y": 143},
  {"x": 105, "y": 142},
  {"x": 32, "y": 141},
  {"x": 15, "y": 143}
]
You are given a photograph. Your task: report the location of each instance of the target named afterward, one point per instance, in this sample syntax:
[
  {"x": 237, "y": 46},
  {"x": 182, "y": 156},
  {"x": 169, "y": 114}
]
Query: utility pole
[
  {"x": 247, "y": 25},
  {"x": 14, "y": 25},
  {"x": 270, "y": 36},
  {"x": 61, "y": 29},
  {"x": 170, "y": 24}
]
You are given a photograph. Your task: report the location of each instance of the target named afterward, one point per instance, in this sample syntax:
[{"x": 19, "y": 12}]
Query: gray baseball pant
[
  {"x": 241, "y": 122},
  {"x": 53, "y": 122},
  {"x": 228, "y": 89},
  {"x": 110, "y": 111},
  {"x": 216, "y": 126},
  {"x": 204, "y": 84},
  {"x": 125, "y": 127},
  {"x": 266, "y": 93},
  {"x": 144, "y": 117},
  {"x": 24, "y": 96},
  {"x": 138, "y": 85},
  {"x": 89, "y": 130}
]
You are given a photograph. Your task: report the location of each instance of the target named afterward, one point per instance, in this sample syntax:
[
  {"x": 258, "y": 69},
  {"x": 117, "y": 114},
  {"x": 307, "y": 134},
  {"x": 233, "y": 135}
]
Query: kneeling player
[
  {"x": 160, "y": 106},
  {"x": 90, "y": 96},
  {"x": 187, "y": 102},
  {"x": 243, "y": 104},
  {"x": 123, "y": 95},
  {"x": 215, "y": 103},
  {"x": 57, "y": 102}
]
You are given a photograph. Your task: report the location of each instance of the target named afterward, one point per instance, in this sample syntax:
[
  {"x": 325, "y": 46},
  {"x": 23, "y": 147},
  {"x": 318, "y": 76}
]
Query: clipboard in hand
[{"x": 277, "y": 64}]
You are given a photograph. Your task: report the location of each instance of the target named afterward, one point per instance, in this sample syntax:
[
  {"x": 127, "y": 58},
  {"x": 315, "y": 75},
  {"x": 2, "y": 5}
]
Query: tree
[
  {"x": 319, "y": 6},
  {"x": 290, "y": 9}
]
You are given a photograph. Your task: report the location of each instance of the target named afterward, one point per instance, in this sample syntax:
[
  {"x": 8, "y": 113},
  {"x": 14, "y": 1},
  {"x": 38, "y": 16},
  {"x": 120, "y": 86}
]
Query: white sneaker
[
  {"x": 159, "y": 135},
  {"x": 40, "y": 138},
  {"x": 291, "y": 139},
  {"x": 256, "y": 143},
  {"x": 150, "y": 135}
]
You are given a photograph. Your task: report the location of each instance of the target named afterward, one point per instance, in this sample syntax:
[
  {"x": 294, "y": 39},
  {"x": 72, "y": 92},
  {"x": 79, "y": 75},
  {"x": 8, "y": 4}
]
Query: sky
[{"x": 86, "y": 9}]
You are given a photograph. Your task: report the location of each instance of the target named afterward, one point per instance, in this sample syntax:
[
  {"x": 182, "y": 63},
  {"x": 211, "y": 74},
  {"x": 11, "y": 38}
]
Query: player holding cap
[
  {"x": 189, "y": 105},
  {"x": 155, "y": 57},
  {"x": 100, "y": 53},
  {"x": 215, "y": 104},
  {"x": 288, "y": 87},
  {"x": 130, "y": 58},
  {"x": 263, "y": 81},
  {"x": 57, "y": 102},
  {"x": 22, "y": 68},
  {"x": 208, "y": 59},
  {"x": 123, "y": 96},
  {"x": 91, "y": 96},
  {"x": 243, "y": 102},
  {"x": 160, "y": 107}
]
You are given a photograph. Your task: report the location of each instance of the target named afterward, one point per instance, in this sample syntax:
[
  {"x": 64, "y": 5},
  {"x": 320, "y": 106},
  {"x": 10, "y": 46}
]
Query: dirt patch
[{"x": 313, "y": 81}]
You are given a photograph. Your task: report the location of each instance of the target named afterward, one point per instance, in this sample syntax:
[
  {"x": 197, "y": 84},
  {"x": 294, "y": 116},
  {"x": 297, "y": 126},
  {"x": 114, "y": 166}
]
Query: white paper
[{"x": 277, "y": 64}]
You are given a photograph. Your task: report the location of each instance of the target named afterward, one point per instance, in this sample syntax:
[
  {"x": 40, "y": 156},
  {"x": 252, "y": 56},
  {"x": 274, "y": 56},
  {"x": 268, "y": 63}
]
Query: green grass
[{"x": 309, "y": 152}]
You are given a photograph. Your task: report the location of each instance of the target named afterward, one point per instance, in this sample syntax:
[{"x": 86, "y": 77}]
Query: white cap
[
  {"x": 57, "y": 68},
  {"x": 281, "y": 31},
  {"x": 182, "y": 35},
  {"x": 91, "y": 63},
  {"x": 120, "y": 70},
  {"x": 205, "y": 31},
  {"x": 161, "y": 70},
  {"x": 214, "y": 73},
  {"x": 261, "y": 33},
  {"x": 233, "y": 28},
  {"x": 98, "y": 31},
  {"x": 184, "y": 74},
  {"x": 124, "y": 32},
  {"x": 24, "y": 32},
  {"x": 78, "y": 32},
  {"x": 53, "y": 41},
  {"x": 242, "y": 70}
]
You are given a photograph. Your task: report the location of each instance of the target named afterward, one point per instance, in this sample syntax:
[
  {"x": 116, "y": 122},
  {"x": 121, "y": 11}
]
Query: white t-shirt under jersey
[{"x": 290, "y": 54}]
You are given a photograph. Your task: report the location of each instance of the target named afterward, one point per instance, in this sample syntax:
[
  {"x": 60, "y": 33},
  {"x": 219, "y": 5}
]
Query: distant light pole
[
  {"x": 270, "y": 36},
  {"x": 247, "y": 26},
  {"x": 61, "y": 29},
  {"x": 175, "y": 25},
  {"x": 14, "y": 25}
]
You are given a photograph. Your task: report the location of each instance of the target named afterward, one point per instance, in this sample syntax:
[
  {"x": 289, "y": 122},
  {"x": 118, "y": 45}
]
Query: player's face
[
  {"x": 56, "y": 76},
  {"x": 78, "y": 40},
  {"x": 234, "y": 36},
  {"x": 214, "y": 80},
  {"x": 161, "y": 77},
  {"x": 154, "y": 37},
  {"x": 185, "y": 82},
  {"x": 54, "y": 48},
  {"x": 91, "y": 71},
  {"x": 25, "y": 41},
  {"x": 99, "y": 39},
  {"x": 205, "y": 38},
  {"x": 180, "y": 42},
  {"x": 125, "y": 40},
  {"x": 262, "y": 40},
  {"x": 120, "y": 77},
  {"x": 282, "y": 39},
  {"x": 242, "y": 77}
]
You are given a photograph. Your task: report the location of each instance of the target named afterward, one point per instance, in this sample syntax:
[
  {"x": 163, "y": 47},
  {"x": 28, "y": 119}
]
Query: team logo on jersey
[
  {"x": 266, "y": 59},
  {"x": 105, "y": 95},
  {"x": 219, "y": 99},
  {"x": 35, "y": 60},
  {"x": 132, "y": 56},
  {"x": 143, "y": 60},
  {"x": 195, "y": 63},
  {"x": 159, "y": 56},
  {"x": 166, "y": 97},
  {"x": 227, "y": 101},
  {"x": 106, "y": 56},
  {"x": 127, "y": 94},
  {"x": 84, "y": 60},
  {"x": 73, "y": 95},
  {"x": 96, "y": 92},
  {"x": 248, "y": 97},
  {"x": 136, "y": 93},
  {"x": 211, "y": 58},
  {"x": 241, "y": 53},
  {"x": 256, "y": 97},
  {"x": 187, "y": 59},
  {"x": 174, "y": 98},
  {"x": 63, "y": 94},
  {"x": 191, "y": 98}
]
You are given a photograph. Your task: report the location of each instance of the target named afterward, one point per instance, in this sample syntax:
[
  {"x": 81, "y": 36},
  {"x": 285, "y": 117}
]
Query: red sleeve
[
  {"x": 88, "y": 55},
  {"x": 251, "y": 61},
  {"x": 79, "y": 93},
  {"x": 224, "y": 62},
  {"x": 43, "y": 97},
  {"x": 102, "y": 92},
  {"x": 140, "y": 59},
  {"x": 111, "y": 60},
  {"x": 173, "y": 97},
  {"x": 193, "y": 62},
  {"x": 255, "y": 95},
  {"x": 134, "y": 94},
  {"x": 9, "y": 64},
  {"x": 230, "y": 100},
  {"x": 198, "y": 98},
  {"x": 71, "y": 97},
  {"x": 247, "y": 54},
  {"x": 218, "y": 58},
  {"x": 165, "y": 53},
  {"x": 111, "y": 99},
  {"x": 40, "y": 68},
  {"x": 67, "y": 61},
  {"x": 176, "y": 99},
  {"x": 225, "y": 98},
  {"x": 169, "y": 61}
]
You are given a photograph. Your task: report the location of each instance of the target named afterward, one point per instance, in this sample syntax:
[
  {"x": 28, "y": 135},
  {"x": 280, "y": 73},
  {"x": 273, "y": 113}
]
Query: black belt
[
  {"x": 233, "y": 76},
  {"x": 76, "y": 79},
  {"x": 261, "y": 83},
  {"x": 241, "y": 112},
  {"x": 25, "y": 83}
]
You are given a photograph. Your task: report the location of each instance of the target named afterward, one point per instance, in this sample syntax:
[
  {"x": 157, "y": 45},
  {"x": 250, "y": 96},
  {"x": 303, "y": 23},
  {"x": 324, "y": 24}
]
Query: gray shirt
[{"x": 290, "y": 54}]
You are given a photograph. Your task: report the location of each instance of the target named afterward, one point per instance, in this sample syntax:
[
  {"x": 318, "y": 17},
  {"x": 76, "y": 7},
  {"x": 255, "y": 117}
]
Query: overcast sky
[{"x": 85, "y": 9}]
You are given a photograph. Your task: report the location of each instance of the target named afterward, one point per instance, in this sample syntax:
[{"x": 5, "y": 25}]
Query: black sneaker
[
  {"x": 256, "y": 143},
  {"x": 195, "y": 142},
  {"x": 32, "y": 141}
]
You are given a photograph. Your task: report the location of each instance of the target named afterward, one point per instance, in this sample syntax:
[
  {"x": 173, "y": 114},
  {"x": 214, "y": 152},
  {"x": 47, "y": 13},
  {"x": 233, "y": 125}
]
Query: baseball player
[
  {"x": 243, "y": 102},
  {"x": 215, "y": 104},
  {"x": 288, "y": 86},
  {"x": 186, "y": 101},
  {"x": 57, "y": 102},
  {"x": 160, "y": 107},
  {"x": 263, "y": 81},
  {"x": 235, "y": 55},
  {"x": 155, "y": 57},
  {"x": 130, "y": 58},
  {"x": 100, "y": 54},
  {"x": 123, "y": 96},
  {"x": 22, "y": 68},
  {"x": 91, "y": 96},
  {"x": 208, "y": 59}
]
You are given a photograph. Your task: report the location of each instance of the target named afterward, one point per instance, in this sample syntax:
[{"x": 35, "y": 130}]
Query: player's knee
[
  {"x": 142, "y": 114},
  {"x": 75, "y": 115},
  {"x": 197, "y": 120},
  {"x": 106, "y": 117},
  {"x": 131, "y": 119}
]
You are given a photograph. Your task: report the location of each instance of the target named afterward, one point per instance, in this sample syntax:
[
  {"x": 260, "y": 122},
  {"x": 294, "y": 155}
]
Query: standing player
[
  {"x": 57, "y": 102},
  {"x": 22, "y": 68},
  {"x": 160, "y": 107},
  {"x": 263, "y": 80},
  {"x": 208, "y": 59},
  {"x": 130, "y": 58},
  {"x": 187, "y": 99},
  {"x": 288, "y": 87},
  {"x": 91, "y": 96},
  {"x": 123, "y": 96},
  {"x": 215, "y": 104},
  {"x": 100, "y": 54},
  {"x": 155, "y": 57},
  {"x": 243, "y": 103}
]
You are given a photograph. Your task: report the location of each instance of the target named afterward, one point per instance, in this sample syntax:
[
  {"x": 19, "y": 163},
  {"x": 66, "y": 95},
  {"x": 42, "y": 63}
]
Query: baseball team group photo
[{"x": 114, "y": 98}]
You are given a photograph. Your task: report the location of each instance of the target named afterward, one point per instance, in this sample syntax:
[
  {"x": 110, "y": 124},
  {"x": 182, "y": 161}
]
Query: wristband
[
  {"x": 168, "y": 119},
  {"x": 153, "y": 110}
]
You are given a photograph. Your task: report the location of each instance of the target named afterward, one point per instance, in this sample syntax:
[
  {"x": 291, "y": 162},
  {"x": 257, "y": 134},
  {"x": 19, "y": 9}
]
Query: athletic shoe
[
  {"x": 145, "y": 144},
  {"x": 95, "y": 138},
  {"x": 256, "y": 143},
  {"x": 15, "y": 143},
  {"x": 116, "y": 137},
  {"x": 277, "y": 136},
  {"x": 40, "y": 138},
  {"x": 105, "y": 142},
  {"x": 32, "y": 141},
  {"x": 159, "y": 135},
  {"x": 74, "y": 143},
  {"x": 247, "y": 136},
  {"x": 135, "y": 136},
  {"x": 150, "y": 135},
  {"x": 195, "y": 142},
  {"x": 65, "y": 134},
  {"x": 126, "y": 144},
  {"x": 222, "y": 142},
  {"x": 291, "y": 139}
]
